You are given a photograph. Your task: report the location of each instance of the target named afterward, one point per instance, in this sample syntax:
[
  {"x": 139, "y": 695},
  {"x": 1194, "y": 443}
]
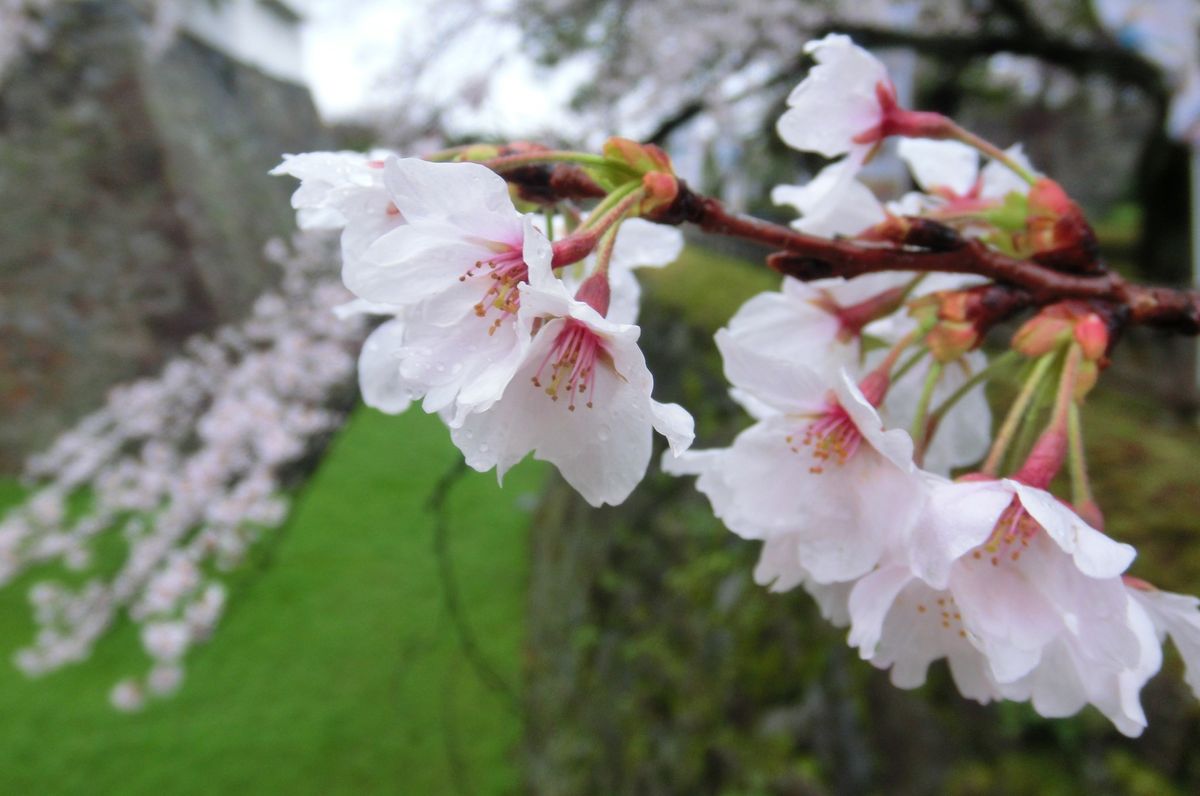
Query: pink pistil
[{"x": 572, "y": 359}]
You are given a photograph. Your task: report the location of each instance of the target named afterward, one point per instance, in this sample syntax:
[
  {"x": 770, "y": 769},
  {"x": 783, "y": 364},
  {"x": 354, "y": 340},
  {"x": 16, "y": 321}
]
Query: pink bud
[
  {"x": 573, "y": 248},
  {"x": 1042, "y": 334},
  {"x": 1092, "y": 335},
  {"x": 661, "y": 189},
  {"x": 949, "y": 340}
]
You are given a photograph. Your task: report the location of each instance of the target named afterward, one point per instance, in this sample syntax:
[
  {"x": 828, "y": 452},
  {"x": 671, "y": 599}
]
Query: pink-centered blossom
[
  {"x": 1021, "y": 597},
  {"x": 818, "y": 468},
  {"x": 580, "y": 399},
  {"x": 821, "y": 324},
  {"x": 452, "y": 276}
]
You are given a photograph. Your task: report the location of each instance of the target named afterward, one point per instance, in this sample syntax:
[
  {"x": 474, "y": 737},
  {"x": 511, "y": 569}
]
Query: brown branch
[{"x": 810, "y": 257}]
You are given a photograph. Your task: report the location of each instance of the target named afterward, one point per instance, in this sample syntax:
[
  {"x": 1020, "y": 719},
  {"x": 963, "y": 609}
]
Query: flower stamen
[{"x": 572, "y": 359}]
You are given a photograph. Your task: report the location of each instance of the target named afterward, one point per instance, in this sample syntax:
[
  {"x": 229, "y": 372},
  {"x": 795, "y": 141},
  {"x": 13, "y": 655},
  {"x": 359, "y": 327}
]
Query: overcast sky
[{"x": 353, "y": 47}]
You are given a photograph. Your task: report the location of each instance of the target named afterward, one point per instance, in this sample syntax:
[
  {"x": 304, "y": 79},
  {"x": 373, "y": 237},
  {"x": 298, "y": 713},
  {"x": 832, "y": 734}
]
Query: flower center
[
  {"x": 1011, "y": 536},
  {"x": 833, "y": 437},
  {"x": 503, "y": 274},
  {"x": 572, "y": 361}
]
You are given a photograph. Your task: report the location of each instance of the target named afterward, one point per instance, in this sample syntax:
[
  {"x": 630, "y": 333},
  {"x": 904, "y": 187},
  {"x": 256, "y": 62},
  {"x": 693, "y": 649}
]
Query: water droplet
[
  {"x": 469, "y": 434},
  {"x": 604, "y": 433},
  {"x": 483, "y": 447},
  {"x": 440, "y": 367}
]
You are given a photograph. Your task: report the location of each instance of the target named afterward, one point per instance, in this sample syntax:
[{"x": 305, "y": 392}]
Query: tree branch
[{"x": 809, "y": 257}]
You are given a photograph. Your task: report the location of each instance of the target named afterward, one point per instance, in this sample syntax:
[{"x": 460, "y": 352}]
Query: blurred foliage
[{"x": 656, "y": 665}]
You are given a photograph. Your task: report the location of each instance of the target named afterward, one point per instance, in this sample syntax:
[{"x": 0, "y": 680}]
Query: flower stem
[
  {"x": 1012, "y": 420},
  {"x": 604, "y": 250},
  {"x": 994, "y": 152},
  {"x": 1081, "y": 489},
  {"x": 920, "y": 418},
  {"x": 606, "y": 204},
  {"x": 610, "y": 212},
  {"x": 909, "y": 364},
  {"x": 506, "y": 162},
  {"x": 937, "y": 415}
]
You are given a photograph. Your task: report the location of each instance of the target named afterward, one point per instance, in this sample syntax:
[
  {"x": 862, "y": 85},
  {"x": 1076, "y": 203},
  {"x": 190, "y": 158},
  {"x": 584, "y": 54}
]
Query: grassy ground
[{"x": 337, "y": 669}]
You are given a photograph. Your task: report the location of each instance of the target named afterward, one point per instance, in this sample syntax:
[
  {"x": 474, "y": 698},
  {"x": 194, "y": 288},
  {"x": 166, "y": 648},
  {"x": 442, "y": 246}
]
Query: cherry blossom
[
  {"x": 454, "y": 270},
  {"x": 580, "y": 399},
  {"x": 342, "y": 190},
  {"x": 837, "y": 109},
  {"x": 818, "y": 459},
  {"x": 1018, "y": 593}
]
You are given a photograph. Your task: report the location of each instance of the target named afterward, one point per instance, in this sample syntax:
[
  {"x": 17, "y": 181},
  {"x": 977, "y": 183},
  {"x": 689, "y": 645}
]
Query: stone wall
[{"x": 134, "y": 203}]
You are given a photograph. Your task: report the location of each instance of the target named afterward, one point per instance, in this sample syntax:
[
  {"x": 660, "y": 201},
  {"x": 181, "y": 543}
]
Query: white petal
[
  {"x": 956, "y": 519},
  {"x": 940, "y": 164},
  {"x": 1176, "y": 615},
  {"x": 833, "y": 203},
  {"x": 468, "y": 196},
  {"x": 644, "y": 244},
  {"x": 836, "y": 101},
  {"x": 379, "y": 378},
  {"x": 1095, "y": 554},
  {"x": 870, "y": 602},
  {"x": 999, "y": 180},
  {"x": 413, "y": 263},
  {"x": 894, "y": 444},
  {"x": 675, "y": 423},
  {"x": 783, "y": 385}
]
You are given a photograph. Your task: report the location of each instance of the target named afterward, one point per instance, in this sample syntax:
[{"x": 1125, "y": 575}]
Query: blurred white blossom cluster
[{"x": 186, "y": 468}]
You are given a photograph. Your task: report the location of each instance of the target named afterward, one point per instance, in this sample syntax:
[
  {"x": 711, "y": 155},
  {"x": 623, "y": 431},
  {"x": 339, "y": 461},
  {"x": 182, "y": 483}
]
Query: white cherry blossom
[
  {"x": 1020, "y": 595},
  {"x": 342, "y": 190},
  {"x": 580, "y": 399},
  {"x": 817, "y": 467},
  {"x": 450, "y": 276},
  {"x": 835, "y": 109}
]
